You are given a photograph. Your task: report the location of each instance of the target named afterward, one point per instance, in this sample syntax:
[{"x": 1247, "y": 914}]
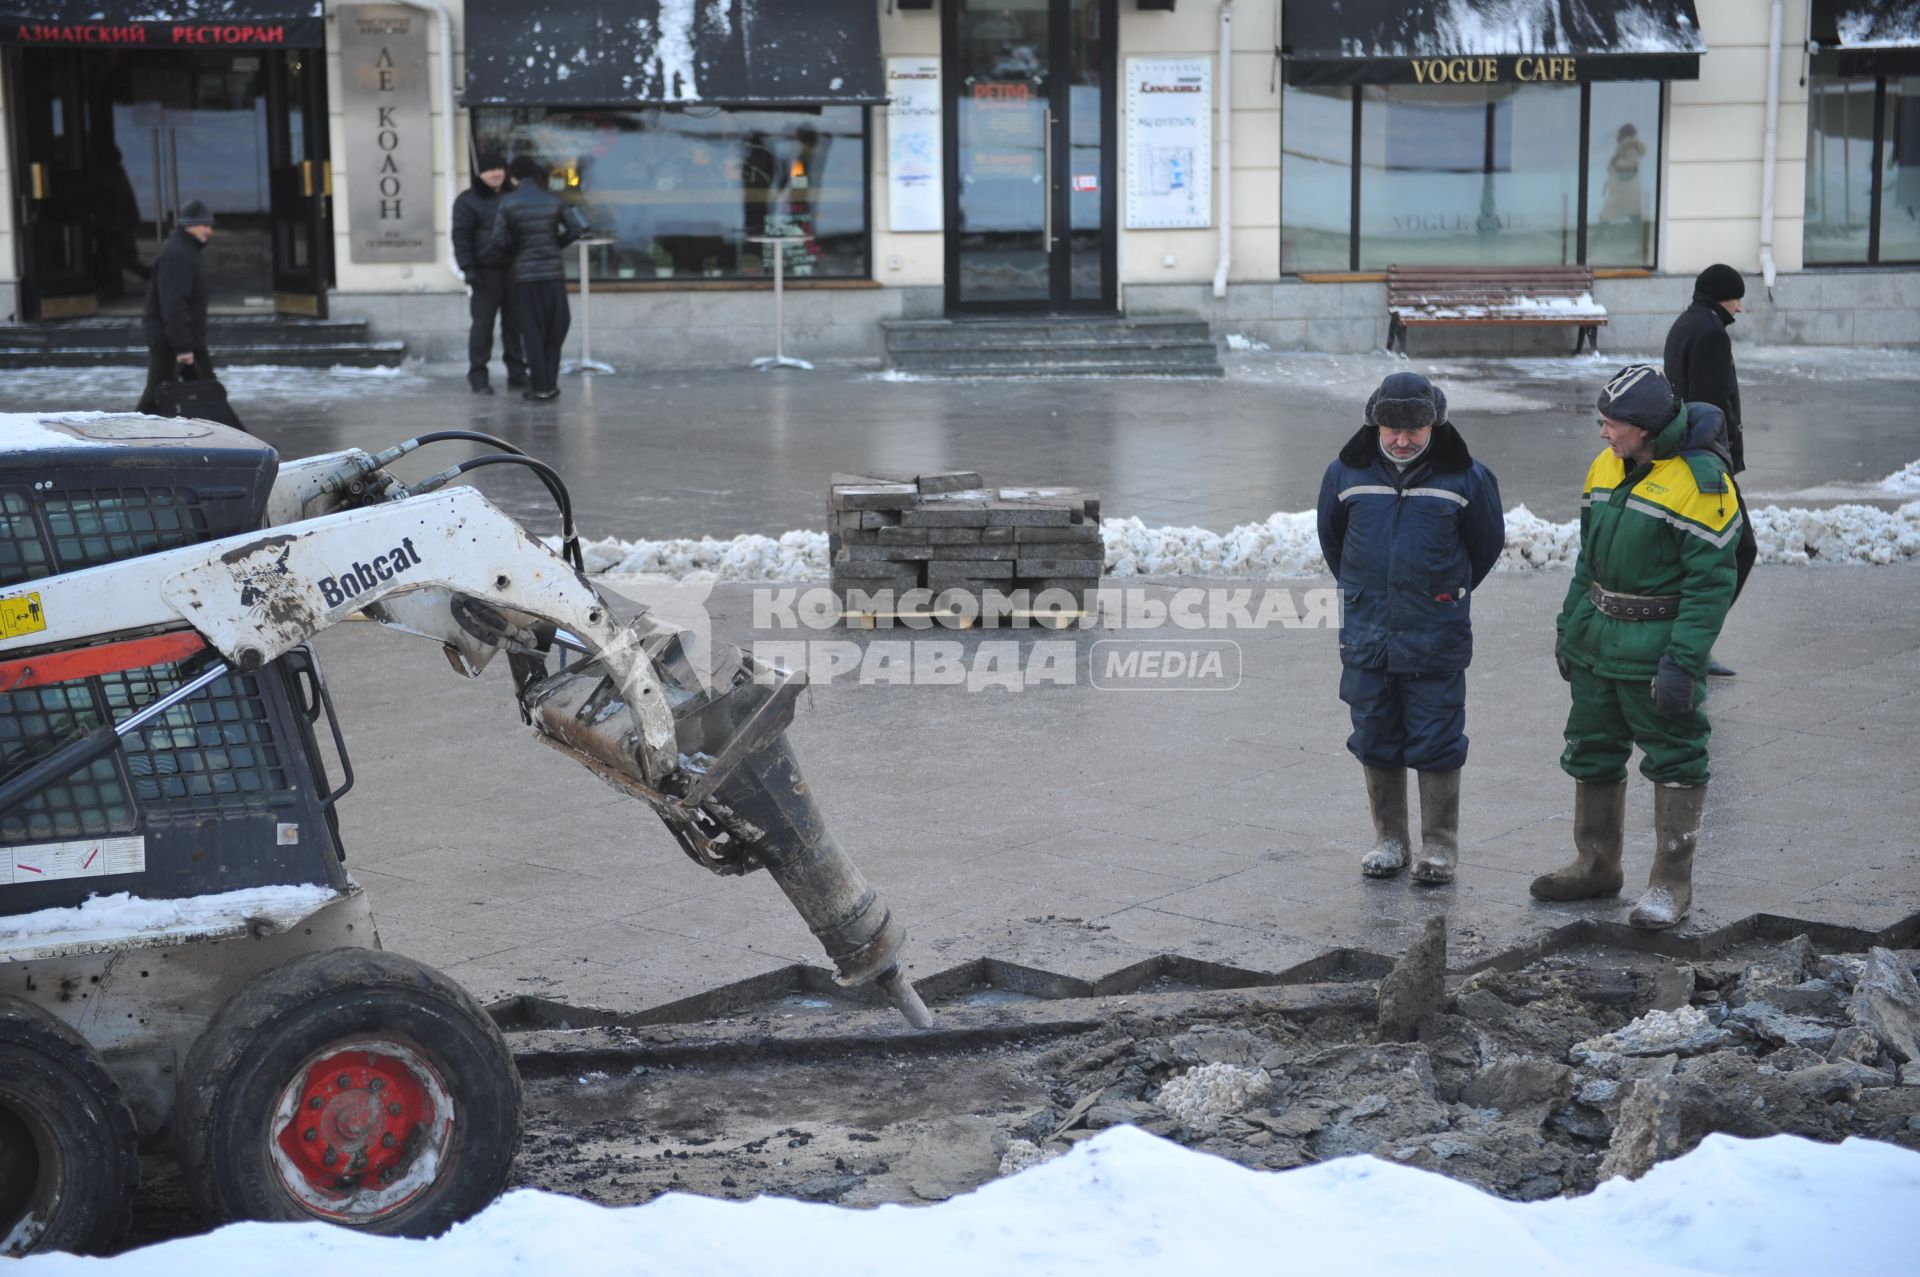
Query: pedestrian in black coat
[
  {"x": 473, "y": 215},
  {"x": 1699, "y": 365},
  {"x": 175, "y": 320},
  {"x": 528, "y": 233}
]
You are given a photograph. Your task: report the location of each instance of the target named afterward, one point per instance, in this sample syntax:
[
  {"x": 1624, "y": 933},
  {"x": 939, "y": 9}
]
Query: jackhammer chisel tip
[{"x": 900, "y": 989}]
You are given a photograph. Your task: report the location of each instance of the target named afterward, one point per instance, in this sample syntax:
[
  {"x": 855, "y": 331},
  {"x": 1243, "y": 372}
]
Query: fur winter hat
[
  {"x": 1639, "y": 396},
  {"x": 1719, "y": 283},
  {"x": 1406, "y": 401}
]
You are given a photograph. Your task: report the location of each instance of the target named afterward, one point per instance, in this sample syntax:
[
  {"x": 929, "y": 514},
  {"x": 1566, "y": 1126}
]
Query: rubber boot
[
  {"x": 1387, "y": 798},
  {"x": 1676, "y": 832},
  {"x": 1439, "y": 827},
  {"x": 1599, "y": 823}
]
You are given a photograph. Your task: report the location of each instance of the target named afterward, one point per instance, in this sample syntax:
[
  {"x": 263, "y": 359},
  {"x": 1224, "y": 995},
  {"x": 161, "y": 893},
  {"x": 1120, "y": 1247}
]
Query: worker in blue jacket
[{"x": 1410, "y": 524}]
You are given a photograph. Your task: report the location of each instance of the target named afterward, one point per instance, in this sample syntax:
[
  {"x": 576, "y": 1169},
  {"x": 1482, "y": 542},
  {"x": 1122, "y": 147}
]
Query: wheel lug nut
[
  {"x": 315, "y": 1102},
  {"x": 387, "y": 1140},
  {"x": 393, "y": 1110},
  {"x": 329, "y": 1157},
  {"x": 345, "y": 1083},
  {"x": 377, "y": 1084},
  {"x": 310, "y": 1135},
  {"x": 359, "y": 1162}
]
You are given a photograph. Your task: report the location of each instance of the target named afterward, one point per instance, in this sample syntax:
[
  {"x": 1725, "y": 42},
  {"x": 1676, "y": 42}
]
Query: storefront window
[
  {"x": 1316, "y": 179},
  {"x": 1470, "y": 175},
  {"x": 1623, "y": 167},
  {"x": 679, "y": 191},
  {"x": 1464, "y": 175},
  {"x": 1900, "y": 175},
  {"x": 1840, "y": 128}
]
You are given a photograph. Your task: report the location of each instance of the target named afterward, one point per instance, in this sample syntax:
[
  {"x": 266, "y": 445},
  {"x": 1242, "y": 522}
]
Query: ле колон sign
[{"x": 1169, "y": 143}]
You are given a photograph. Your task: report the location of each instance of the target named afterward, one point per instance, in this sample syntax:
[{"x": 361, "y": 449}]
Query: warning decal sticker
[
  {"x": 86, "y": 858},
  {"x": 21, "y": 615}
]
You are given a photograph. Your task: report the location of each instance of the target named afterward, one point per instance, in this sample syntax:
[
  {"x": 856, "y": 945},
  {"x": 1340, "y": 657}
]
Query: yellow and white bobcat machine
[{"x": 185, "y": 963}]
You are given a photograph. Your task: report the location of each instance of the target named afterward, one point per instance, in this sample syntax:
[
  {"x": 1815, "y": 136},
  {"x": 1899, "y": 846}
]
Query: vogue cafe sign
[{"x": 1527, "y": 68}]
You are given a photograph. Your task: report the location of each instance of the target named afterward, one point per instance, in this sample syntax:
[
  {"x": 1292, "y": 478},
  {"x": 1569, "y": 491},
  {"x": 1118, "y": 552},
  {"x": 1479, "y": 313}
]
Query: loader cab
[{"x": 225, "y": 791}]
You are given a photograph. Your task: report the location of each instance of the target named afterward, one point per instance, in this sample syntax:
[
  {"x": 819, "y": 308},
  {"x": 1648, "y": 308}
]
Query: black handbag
[{"x": 190, "y": 394}]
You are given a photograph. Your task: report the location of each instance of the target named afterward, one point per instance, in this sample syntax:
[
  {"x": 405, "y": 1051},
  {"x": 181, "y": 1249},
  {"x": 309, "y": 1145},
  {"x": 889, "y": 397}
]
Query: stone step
[
  {"x": 1054, "y": 345},
  {"x": 118, "y": 341},
  {"x": 1173, "y": 354}
]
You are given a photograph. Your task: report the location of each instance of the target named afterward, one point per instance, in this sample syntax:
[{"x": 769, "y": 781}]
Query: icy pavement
[
  {"x": 666, "y": 455},
  {"x": 1127, "y": 1204}
]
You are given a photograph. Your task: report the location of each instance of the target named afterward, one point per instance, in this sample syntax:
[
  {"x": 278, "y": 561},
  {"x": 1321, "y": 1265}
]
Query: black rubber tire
[
  {"x": 254, "y": 1048},
  {"x": 69, "y": 1153}
]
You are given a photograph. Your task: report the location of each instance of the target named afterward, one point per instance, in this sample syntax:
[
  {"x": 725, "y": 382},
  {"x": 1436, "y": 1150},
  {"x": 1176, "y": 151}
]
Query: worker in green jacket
[{"x": 1659, "y": 526}]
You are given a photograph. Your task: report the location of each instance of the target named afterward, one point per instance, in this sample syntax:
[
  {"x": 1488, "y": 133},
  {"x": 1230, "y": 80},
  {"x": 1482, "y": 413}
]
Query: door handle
[
  {"x": 37, "y": 177},
  {"x": 306, "y": 178},
  {"x": 326, "y": 178},
  {"x": 1046, "y": 178}
]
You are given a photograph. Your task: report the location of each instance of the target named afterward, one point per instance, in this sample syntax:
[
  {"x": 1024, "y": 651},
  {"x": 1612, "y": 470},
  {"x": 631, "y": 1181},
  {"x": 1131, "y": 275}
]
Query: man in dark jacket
[
  {"x": 528, "y": 233},
  {"x": 473, "y": 214},
  {"x": 1699, "y": 367},
  {"x": 175, "y": 320},
  {"x": 1410, "y": 524},
  {"x": 1659, "y": 518}
]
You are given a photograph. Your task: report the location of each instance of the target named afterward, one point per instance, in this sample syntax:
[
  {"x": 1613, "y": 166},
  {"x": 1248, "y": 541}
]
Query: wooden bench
[{"x": 1418, "y": 295}]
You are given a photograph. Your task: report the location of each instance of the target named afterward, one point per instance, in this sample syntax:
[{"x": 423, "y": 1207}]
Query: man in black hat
[
  {"x": 528, "y": 233},
  {"x": 1699, "y": 367},
  {"x": 1410, "y": 524},
  {"x": 175, "y": 320},
  {"x": 473, "y": 214}
]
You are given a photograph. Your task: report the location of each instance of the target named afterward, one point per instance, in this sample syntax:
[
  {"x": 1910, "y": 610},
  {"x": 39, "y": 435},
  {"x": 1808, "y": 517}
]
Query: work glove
[{"x": 1672, "y": 687}]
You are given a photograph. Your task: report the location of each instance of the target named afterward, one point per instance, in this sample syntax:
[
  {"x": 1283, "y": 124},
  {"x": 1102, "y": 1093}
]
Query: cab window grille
[
  {"x": 90, "y": 802},
  {"x": 23, "y": 555},
  {"x": 109, "y": 524},
  {"x": 213, "y": 753}
]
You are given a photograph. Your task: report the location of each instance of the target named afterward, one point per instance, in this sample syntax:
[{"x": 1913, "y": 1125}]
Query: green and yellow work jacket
[{"x": 1669, "y": 526}]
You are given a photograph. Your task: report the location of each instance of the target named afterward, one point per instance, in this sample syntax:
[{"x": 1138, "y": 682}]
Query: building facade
[{"x": 1256, "y": 162}]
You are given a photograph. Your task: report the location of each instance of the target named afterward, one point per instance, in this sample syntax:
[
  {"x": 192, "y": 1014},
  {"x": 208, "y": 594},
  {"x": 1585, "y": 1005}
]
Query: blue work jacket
[{"x": 1408, "y": 549}]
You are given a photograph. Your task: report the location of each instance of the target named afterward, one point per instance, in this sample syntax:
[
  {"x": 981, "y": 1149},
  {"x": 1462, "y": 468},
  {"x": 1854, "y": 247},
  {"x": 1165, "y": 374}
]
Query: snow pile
[
  {"x": 1841, "y": 534},
  {"x": 799, "y": 555},
  {"x": 1285, "y": 545},
  {"x": 122, "y": 913},
  {"x": 1125, "y": 1204},
  {"x": 1209, "y": 1091},
  {"x": 1533, "y": 542},
  {"x": 1904, "y": 482}
]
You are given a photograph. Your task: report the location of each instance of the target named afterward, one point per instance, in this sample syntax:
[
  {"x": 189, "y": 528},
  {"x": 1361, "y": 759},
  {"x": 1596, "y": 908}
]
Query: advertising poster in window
[
  {"x": 1169, "y": 143},
  {"x": 913, "y": 144}
]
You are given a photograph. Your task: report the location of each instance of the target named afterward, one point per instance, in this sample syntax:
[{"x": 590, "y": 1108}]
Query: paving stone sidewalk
[{"x": 1080, "y": 830}]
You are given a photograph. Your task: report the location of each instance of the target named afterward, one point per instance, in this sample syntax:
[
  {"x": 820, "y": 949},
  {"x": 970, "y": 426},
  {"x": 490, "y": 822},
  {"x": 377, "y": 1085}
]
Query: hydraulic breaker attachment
[{"x": 737, "y": 802}]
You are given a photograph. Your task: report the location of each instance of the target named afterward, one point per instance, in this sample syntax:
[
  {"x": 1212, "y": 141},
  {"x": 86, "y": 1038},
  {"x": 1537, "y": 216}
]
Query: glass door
[
  {"x": 57, "y": 185},
  {"x": 1029, "y": 155},
  {"x": 298, "y": 180}
]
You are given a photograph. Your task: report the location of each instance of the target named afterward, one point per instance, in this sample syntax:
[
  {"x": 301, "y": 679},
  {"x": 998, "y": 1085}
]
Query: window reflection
[{"x": 679, "y": 191}]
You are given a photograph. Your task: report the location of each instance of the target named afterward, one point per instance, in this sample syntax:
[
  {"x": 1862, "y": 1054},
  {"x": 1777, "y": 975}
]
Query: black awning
[
  {"x": 1865, "y": 37},
  {"x": 1489, "y": 41},
  {"x": 163, "y": 24},
  {"x": 616, "y": 52}
]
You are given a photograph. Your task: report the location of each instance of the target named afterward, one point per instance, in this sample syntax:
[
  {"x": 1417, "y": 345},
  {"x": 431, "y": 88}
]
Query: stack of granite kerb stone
[{"x": 976, "y": 552}]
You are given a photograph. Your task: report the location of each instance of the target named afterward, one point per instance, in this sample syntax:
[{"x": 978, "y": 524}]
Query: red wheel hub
[{"x": 359, "y": 1120}]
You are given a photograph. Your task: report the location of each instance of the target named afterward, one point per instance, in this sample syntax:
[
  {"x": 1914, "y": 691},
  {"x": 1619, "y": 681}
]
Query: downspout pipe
[
  {"x": 443, "y": 90},
  {"x": 1771, "y": 152},
  {"x": 1225, "y": 180}
]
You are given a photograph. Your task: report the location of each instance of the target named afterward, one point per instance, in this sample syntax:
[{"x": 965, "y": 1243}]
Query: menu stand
[
  {"x": 586, "y": 362},
  {"x": 779, "y": 358}
]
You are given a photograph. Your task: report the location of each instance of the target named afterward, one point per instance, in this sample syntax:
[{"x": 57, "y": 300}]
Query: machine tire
[
  {"x": 69, "y": 1153},
  {"x": 378, "y": 1052}
]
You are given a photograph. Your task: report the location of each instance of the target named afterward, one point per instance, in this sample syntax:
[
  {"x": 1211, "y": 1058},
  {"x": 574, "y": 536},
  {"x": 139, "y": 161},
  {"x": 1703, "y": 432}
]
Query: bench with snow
[{"x": 1422, "y": 295}]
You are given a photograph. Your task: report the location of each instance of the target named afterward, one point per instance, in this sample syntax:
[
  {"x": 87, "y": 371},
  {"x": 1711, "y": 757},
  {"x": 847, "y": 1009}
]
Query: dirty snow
[
  {"x": 1126, "y": 1204},
  {"x": 1284, "y": 545},
  {"x": 104, "y": 917},
  {"x": 24, "y": 431},
  {"x": 1207, "y": 1092}
]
